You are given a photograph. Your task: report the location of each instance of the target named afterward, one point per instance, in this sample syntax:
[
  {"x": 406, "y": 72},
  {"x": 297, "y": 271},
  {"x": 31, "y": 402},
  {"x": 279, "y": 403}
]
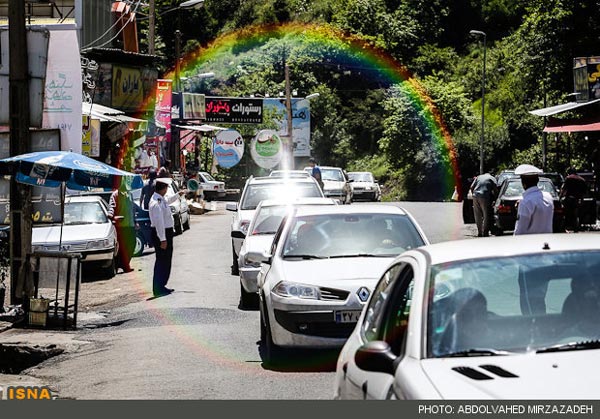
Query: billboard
[
  {"x": 127, "y": 88},
  {"x": 162, "y": 108},
  {"x": 228, "y": 148},
  {"x": 192, "y": 106},
  {"x": 300, "y": 122},
  {"x": 37, "y": 56},
  {"x": 266, "y": 149},
  {"x": 586, "y": 78},
  {"x": 234, "y": 110}
]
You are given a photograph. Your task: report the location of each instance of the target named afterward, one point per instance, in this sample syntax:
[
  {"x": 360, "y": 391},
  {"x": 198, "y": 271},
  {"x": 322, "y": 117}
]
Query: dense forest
[{"x": 364, "y": 121}]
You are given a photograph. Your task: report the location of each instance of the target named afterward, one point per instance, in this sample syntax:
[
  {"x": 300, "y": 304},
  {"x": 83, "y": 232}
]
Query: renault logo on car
[{"x": 363, "y": 294}]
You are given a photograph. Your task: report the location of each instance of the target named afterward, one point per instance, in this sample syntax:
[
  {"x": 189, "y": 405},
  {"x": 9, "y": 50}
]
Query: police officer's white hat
[{"x": 527, "y": 170}]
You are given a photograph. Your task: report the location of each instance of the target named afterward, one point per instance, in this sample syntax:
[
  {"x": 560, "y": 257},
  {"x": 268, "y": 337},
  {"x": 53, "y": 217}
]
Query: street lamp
[
  {"x": 480, "y": 33},
  {"x": 189, "y": 4}
]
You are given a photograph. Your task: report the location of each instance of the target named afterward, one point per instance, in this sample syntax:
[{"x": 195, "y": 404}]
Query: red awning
[{"x": 572, "y": 125}]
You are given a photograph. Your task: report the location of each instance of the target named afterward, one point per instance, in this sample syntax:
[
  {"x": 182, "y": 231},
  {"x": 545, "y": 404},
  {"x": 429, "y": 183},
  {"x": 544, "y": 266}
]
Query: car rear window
[
  {"x": 259, "y": 192},
  {"x": 514, "y": 188}
]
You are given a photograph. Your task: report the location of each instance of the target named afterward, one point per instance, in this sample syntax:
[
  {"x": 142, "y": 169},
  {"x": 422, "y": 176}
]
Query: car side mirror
[
  {"x": 376, "y": 356},
  {"x": 231, "y": 206},
  {"x": 350, "y": 180},
  {"x": 259, "y": 257},
  {"x": 238, "y": 234}
]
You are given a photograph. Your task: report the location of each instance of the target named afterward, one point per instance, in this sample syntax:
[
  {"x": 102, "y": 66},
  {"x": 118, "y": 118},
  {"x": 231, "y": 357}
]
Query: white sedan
[
  {"x": 264, "y": 225},
  {"x": 492, "y": 318},
  {"x": 321, "y": 268},
  {"x": 86, "y": 230}
]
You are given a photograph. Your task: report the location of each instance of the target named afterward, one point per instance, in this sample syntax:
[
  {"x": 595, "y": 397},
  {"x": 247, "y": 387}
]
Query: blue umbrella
[{"x": 52, "y": 168}]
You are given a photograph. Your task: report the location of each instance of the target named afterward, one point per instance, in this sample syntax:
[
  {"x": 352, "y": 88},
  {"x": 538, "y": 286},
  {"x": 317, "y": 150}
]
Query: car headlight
[
  {"x": 294, "y": 290},
  {"x": 98, "y": 244},
  {"x": 368, "y": 188},
  {"x": 244, "y": 226}
]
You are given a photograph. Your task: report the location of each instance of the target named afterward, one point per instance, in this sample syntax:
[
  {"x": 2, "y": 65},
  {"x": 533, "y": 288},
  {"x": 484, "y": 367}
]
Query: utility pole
[
  {"x": 20, "y": 194},
  {"x": 289, "y": 145},
  {"x": 151, "y": 27}
]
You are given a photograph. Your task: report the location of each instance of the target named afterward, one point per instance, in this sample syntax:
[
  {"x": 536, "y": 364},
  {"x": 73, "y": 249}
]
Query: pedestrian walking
[
  {"x": 162, "y": 224},
  {"x": 536, "y": 209},
  {"x": 316, "y": 172},
  {"x": 121, "y": 211},
  {"x": 572, "y": 192},
  {"x": 165, "y": 170},
  {"x": 484, "y": 189}
]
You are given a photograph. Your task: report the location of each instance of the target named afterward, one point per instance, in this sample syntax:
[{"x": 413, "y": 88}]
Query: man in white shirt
[
  {"x": 162, "y": 235},
  {"x": 536, "y": 209}
]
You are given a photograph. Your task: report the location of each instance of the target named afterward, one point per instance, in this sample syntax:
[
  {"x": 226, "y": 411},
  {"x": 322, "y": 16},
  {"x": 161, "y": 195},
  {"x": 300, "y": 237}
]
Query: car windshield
[
  {"x": 332, "y": 174},
  {"x": 207, "y": 177},
  {"x": 361, "y": 177},
  {"x": 84, "y": 213},
  {"x": 259, "y": 192},
  {"x": 268, "y": 219},
  {"x": 514, "y": 188},
  {"x": 351, "y": 235},
  {"x": 514, "y": 304}
]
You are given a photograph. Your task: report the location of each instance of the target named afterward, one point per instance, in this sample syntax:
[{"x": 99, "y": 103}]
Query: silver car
[
  {"x": 86, "y": 230},
  {"x": 256, "y": 190},
  {"x": 322, "y": 266},
  {"x": 364, "y": 186},
  {"x": 492, "y": 318},
  {"x": 264, "y": 225}
]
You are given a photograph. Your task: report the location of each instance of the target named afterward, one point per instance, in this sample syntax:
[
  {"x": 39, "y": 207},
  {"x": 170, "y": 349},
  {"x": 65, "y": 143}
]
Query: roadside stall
[{"x": 60, "y": 169}]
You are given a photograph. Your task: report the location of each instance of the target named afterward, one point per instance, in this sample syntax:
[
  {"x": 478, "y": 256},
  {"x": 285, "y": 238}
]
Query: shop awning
[
  {"x": 201, "y": 128},
  {"x": 572, "y": 125},
  {"x": 106, "y": 114},
  {"x": 553, "y": 110}
]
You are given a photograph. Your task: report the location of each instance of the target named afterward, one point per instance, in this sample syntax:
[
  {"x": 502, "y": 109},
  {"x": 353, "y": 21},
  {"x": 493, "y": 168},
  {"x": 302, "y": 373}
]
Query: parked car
[
  {"x": 143, "y": 232},
  {"x": 501, "y": 318},
  {"x": 336, "y": 184},
  {"x": 86, "y": 230},
  {"x": 320, "y": 270},
  {"x": 264, "y": 225},
  {"x": 511, "y": 191},
  {"x": 179, "y": 209},
  {"x": 256, "y": 190},
  {"x": 211, "y": 188},
  {"x": 364, "y": 186},
  {"x": 289, "y": 173}
]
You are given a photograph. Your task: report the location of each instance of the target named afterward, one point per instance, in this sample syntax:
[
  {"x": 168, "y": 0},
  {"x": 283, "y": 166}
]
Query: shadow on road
[{"x": 301, "y": 360}]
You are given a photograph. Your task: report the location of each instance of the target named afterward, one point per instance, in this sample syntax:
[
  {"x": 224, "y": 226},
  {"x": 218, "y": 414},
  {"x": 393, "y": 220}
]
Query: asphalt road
[{"x": 196, "y": 343}]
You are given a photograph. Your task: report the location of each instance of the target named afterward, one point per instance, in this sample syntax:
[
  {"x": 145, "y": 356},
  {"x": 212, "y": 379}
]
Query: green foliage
[{"x": 362, "y": 122}]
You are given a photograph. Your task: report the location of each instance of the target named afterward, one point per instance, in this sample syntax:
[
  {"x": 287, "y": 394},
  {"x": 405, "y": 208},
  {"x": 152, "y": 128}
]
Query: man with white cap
[
  {"x": 536, "y": 209},
  {"x": 162, "y": 234}
]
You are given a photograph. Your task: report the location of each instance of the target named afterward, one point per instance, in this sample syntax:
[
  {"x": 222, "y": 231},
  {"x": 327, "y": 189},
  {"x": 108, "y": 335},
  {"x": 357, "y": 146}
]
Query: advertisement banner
[
  {"x": 63, "y": 92},
  {"x": 162, "y": 109},
  {"x": 266, "y": 149},
  {"x": 193, "y": 106},
  {"x": 90, "y": 139},
  {"x": 300, "y": 122},
  {"x": 127, "y": 88},
  {"x": 228, "y": 148},
  {"x": 234, "y": 110}
]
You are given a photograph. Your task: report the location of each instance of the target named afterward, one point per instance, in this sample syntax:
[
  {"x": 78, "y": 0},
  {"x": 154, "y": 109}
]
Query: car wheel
[
  {"x": 178, "y": 227},
  {"x": 111, "y": 270},
  {"x": 186, "y": 225},
  {"x": 248, "y": 300},
  {"x": 139, "y": 246},
  {"x": 235, "y": 270},
  {"x": 270, "y": 351}
]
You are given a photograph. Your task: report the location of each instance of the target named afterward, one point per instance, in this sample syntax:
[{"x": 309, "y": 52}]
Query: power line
[{"x": 111, "y": 28}]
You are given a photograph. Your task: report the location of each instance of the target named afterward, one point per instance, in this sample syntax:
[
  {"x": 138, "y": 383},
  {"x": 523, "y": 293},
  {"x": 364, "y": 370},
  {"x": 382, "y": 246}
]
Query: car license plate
[{"x": 349, "y": 316}]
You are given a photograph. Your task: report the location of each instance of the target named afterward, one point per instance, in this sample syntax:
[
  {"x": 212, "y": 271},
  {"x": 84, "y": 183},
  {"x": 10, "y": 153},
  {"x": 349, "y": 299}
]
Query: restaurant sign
[{"x": 234, "y": 110}]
